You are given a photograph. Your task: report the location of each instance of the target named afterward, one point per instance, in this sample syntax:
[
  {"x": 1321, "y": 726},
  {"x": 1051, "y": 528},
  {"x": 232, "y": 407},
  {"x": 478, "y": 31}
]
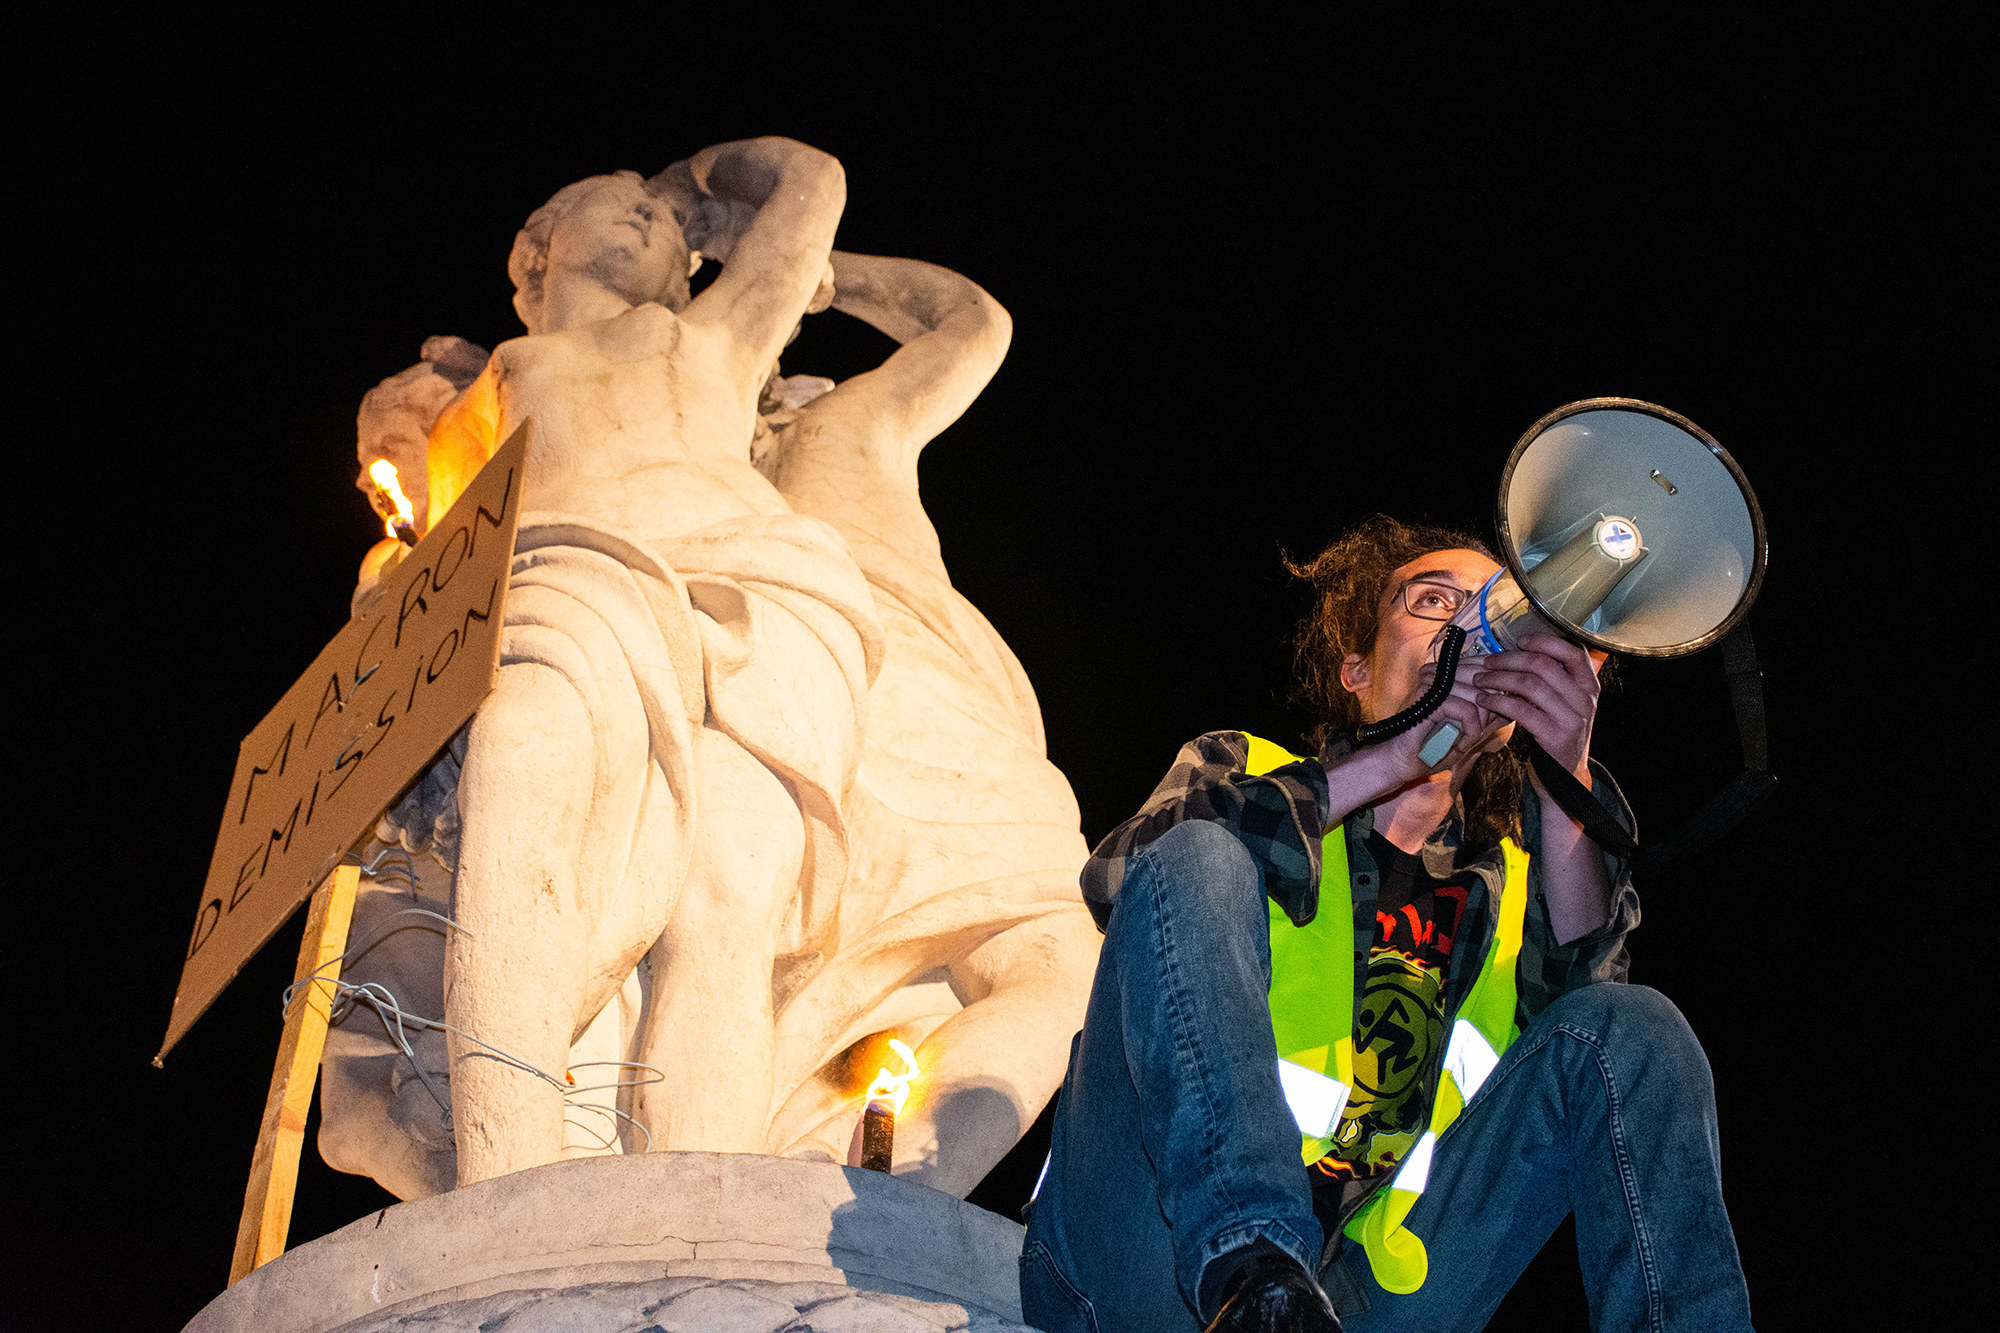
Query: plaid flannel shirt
[{"x": 1280, "y": 817}]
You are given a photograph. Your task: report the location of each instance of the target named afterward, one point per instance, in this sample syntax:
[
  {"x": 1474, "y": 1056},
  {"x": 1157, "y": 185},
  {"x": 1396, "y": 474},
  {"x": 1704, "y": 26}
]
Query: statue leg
[
  {"x": 708, "y": 1026},
  {"x": 515, "y": 976},
  {"x": 993, "y": 1065},
  {"x": 378, "y": 1116}
]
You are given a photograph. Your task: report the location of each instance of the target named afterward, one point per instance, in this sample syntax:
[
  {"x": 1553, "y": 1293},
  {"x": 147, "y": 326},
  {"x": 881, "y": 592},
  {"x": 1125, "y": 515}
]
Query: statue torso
[{"x": 642, "y": 421}]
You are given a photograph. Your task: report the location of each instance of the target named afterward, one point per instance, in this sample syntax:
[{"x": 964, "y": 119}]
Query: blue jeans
[{"x": 1173, "y": 1143}]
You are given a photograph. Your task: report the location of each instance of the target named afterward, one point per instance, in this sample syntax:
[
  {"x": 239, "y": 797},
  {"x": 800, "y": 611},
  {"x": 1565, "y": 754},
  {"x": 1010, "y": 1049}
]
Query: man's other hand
[{"x": 1548, "y": 685}]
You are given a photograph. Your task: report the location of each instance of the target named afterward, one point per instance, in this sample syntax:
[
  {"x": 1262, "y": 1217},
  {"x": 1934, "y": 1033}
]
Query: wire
[
  {"x": 408, "y": 868},
  {"x": 353, "y": 950},
  {"x": 602, "y": 1142},
  {"x": 614, "y": 1111},
  {"x": 658, "y": 1077},
  {"x": 397, "y": 1020}
]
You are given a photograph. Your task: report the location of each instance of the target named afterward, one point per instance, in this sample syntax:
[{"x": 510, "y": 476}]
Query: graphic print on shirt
[{"x": 1399, "y": 1028}]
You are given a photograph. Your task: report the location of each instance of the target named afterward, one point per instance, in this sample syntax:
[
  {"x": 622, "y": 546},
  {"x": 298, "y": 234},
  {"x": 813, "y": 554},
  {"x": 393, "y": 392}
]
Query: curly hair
[{"x": 1349, "y": 580}]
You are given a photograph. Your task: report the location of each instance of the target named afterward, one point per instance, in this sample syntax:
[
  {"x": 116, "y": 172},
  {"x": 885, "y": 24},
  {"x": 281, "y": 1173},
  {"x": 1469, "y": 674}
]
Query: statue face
[
  {"x": 625, "y": 240},
  {"x": 400, "y": 433}
]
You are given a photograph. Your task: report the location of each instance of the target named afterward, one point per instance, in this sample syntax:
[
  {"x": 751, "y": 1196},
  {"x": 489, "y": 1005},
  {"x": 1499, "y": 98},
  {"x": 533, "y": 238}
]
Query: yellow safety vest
[{"x": 1312, "y": 1016}]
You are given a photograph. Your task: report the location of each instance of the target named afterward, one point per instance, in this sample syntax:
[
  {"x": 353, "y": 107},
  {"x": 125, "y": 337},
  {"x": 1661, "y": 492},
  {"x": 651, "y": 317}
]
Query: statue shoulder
[{"x": 646, "y": 331}]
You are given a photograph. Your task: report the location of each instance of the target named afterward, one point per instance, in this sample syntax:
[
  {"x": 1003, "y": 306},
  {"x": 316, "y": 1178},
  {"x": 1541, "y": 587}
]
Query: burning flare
[
  {"x": 895, "y": 1088},
  {"x": 402, "y": 520}
]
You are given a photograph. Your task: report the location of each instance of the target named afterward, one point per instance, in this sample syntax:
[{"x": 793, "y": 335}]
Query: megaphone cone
[
  {"x": 1629, "y": 528},
  {"x": 1623, "y": 525}
]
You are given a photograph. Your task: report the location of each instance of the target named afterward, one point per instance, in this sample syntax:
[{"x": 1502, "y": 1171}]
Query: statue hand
[
  {"x": 823, "y": 297},
  {"x": 677, "y": 186},
  {"x": 716, "y": 227},
  {"x": 708, "y": 224}
]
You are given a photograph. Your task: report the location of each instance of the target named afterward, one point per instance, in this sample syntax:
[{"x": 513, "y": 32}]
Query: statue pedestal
[{"x": 668, "y": 1241}]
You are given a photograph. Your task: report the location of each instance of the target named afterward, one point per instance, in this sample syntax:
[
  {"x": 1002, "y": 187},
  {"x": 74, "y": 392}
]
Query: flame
[
  {"x": 389, "y": 487},
  {"x": 895, "y": 1087}
]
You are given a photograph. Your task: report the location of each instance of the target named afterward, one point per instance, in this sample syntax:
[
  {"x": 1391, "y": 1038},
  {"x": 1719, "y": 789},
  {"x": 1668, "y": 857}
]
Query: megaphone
[
  {"x": 1626, "y": 527},
  {"x": 1630, "y": 529}
]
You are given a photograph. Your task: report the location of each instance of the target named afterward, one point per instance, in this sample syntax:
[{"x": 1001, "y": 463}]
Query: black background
[{"x": 1269, "y": 273}]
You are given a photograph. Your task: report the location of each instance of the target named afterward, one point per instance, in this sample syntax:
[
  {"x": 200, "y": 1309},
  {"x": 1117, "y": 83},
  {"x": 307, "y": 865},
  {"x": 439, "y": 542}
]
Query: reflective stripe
[
  {"x": 1315, "y": 1099},
  {"x": 1035, "y": 1193},
  {"x": 1416, "y": 1172},
  {"x": 1469, "y": 1058}
]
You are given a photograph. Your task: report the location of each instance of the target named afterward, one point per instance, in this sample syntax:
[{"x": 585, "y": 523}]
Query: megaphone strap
[
  {"x": 1746, "y": 693},
  {"x": 1577, "y": 802},
  {"x": 1720, "y": 813}
]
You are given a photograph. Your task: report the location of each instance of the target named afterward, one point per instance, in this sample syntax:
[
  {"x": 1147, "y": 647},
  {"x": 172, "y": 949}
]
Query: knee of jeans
[
  {"x": 1638, "y": 1021},
  {"x": 1204, "y": 867}
]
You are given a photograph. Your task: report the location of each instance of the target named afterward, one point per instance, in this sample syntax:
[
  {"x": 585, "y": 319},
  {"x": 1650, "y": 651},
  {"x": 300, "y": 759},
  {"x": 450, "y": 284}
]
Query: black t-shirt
[{"x": 1399, "y": 1027}]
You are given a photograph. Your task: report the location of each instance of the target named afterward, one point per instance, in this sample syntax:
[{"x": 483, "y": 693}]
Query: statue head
[
  {"x": 397, "y": 415},
  {"x": 613, "y": 232}
]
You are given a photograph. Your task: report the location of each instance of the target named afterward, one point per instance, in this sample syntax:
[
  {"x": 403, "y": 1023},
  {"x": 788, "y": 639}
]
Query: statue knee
[
  {"x": 366, "y": 1128},
  {"x": 527, "y": 781},
  {"x": 531, "y": 705}
]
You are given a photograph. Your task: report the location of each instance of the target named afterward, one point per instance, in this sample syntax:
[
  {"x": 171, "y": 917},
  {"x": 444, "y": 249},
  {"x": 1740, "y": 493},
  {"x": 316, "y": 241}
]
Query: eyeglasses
[{"x": 1427, "y": 599}]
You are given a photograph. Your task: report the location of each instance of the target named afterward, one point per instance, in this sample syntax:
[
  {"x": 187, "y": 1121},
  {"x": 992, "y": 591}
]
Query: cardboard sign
[{"x": 364, "y": 721}]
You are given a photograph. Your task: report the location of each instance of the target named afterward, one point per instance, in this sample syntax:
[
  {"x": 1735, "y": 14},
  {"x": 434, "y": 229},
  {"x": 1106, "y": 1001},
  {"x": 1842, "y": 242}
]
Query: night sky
[{"x": 1268, "y": 275}]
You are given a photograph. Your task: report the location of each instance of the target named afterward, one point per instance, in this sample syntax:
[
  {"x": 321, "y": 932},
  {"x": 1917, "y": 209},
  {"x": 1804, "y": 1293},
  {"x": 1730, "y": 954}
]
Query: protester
[{"x": 1284, "y": 1105}]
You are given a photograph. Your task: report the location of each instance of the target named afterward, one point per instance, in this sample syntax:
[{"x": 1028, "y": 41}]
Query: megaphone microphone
[{"x": 1625, "y": 527}]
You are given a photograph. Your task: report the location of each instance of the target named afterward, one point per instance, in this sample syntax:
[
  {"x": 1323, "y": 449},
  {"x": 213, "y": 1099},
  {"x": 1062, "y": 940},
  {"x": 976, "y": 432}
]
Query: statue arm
[
  {"x": 953, "y": 338},
  {"x": 767, "y": 209},
  {"x": 851, "y": 456}
]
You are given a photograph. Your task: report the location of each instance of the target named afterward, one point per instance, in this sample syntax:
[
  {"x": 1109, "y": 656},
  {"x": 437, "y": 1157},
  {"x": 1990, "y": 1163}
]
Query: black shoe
[{"x": 1274, "y": 1295}]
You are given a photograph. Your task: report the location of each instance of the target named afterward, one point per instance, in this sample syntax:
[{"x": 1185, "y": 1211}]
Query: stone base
[{"x": 659, "y": 1243}]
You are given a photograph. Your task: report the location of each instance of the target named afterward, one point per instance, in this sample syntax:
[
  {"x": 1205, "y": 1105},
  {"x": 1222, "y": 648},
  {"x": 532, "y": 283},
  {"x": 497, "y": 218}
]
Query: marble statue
[
  {"x": 755, "y": 782},
  {"x": 966, "y": 836}
]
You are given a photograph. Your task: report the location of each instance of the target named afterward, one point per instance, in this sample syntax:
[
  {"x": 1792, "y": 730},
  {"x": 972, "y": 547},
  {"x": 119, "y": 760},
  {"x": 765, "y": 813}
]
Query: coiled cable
[{"x": 1369, "y": 733}]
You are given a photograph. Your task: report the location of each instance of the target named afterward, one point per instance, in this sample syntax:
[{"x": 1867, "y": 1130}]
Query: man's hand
[
  {"x": 1377, "y": 771},
  {"x": 1548, "y": 685}
]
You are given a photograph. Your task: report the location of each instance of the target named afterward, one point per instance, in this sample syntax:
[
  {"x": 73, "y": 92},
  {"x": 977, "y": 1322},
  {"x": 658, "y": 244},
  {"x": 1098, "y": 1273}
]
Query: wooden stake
[{"x": 274, "y": 1167}]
